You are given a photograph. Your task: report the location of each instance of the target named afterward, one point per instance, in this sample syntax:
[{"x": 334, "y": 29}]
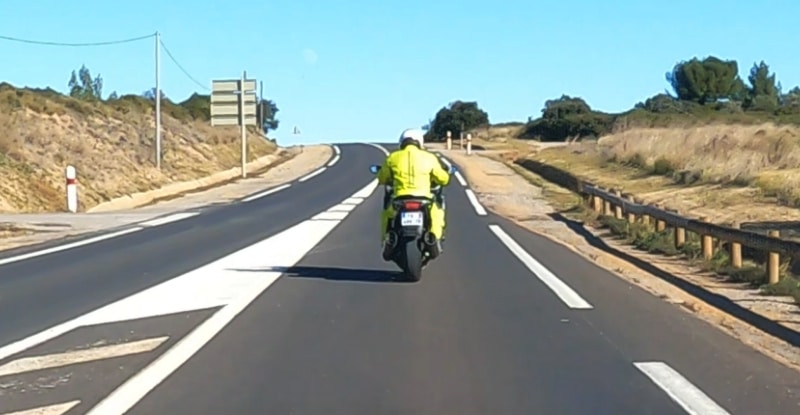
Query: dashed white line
[
  {"x": 446, "y": 161},
  {"x": 475, "y": 203},
  {"x": 688, "y": 396},
  {"x": 29, "y": 364},
  {"x": 57, "y": 409},
  {"x": 571, "y": 298},
  {"x": 460, "y": 179},
  {"x": 342, "y": 207},
  {"x": 379, "y": 147},
  {"x": 352, "y": 200},
  {"x": 335, "y": 159},
  {"x": 328, "y": 215},
  {"x": 169, "y": 219},
  {"x": 69, "y": 245},
  {"x": 266, "y": 193},
  {"x": 312, "y": 174},
  {"x": 337, "y": 150}
]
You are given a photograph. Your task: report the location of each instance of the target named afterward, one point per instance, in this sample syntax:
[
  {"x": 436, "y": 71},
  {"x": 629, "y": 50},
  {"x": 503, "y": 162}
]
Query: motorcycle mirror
[
  {"x": 453, "y": 169},
  {"x": 374, "y": 168}
]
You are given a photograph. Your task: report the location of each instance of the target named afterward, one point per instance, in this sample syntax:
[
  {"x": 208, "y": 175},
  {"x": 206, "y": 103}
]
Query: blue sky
[{"x": 364, "y": 70}]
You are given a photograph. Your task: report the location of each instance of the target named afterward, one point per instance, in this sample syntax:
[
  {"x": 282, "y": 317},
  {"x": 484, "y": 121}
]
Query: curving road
[{"x": 280, "y": 304}]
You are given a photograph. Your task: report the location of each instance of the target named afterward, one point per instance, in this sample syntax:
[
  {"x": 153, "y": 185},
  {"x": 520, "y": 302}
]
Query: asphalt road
[{"x": 267, "y": 306}]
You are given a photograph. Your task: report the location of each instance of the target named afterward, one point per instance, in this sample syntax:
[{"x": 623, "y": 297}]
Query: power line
[
  {"x": 110, "y": 42},
  {"x": 185, "y": 72}
]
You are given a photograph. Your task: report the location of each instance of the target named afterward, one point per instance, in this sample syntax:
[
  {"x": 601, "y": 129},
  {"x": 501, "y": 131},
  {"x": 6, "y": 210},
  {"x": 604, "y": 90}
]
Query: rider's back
[{"x": 413, "y": 169}]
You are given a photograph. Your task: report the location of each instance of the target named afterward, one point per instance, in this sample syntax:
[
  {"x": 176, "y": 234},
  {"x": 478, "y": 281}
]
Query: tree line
[
  {"x": 198, "y": 107},
  {"x": 702, "y": 91}
]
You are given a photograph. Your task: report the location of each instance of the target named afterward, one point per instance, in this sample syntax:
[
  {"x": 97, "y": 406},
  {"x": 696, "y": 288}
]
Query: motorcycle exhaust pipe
[{"x": 429, "y": 239}]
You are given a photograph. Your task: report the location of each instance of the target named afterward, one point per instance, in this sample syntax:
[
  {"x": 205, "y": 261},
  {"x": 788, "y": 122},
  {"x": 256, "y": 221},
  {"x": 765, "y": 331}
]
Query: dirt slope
[{"x": 111, "y": 144}]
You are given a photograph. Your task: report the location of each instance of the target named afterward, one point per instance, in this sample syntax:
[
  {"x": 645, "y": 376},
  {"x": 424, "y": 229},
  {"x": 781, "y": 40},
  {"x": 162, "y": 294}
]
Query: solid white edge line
[
  {"x": 475, "y": 203},
  {"x": 332, "y": 162},
  {"x": 168, "y": 219},
  {"x": 571, "y": 298},
  {"x": 57, "y": 409},
  {"x": 379, "y": 147},
  {"x": 266, "y": 193},
  {"x": 312, "y": 174},
  {"x": 683, "y": 392},
  {"x": 69, "y": 245},
  {"x": 460, "y": 179}
]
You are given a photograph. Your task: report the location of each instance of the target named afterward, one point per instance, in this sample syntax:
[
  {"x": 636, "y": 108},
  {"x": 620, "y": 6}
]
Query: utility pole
[
  {"x": 244, "y": 125},
  {"x": 158, "y": 100},
  {"x": 261, "y": 107}
]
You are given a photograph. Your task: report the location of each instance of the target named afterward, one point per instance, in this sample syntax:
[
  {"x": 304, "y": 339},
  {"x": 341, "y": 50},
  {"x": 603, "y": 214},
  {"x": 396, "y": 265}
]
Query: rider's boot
[{"x": 388, "y": 246}]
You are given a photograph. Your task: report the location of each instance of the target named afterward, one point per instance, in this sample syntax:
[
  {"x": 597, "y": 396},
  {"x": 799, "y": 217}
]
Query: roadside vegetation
[{"x": 111, "y": 142}]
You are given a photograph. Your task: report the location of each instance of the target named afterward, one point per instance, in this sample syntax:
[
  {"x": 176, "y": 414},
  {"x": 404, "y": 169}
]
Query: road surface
[{"x": 279, "y": 303}]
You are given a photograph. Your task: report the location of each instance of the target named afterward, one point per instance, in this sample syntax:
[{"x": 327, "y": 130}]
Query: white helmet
[{"x": 413, "y": 134}]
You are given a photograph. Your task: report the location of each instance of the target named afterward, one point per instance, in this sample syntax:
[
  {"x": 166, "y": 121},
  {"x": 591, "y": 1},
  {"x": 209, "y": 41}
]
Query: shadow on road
[
  {"x": 718, "y": 301},
  {"x": 335, "y": 273}
]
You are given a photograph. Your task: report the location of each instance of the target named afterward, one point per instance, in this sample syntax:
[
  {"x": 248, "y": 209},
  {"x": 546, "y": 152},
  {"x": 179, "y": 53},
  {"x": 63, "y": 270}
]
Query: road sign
[
  {"x": 233, "y": 102},
  {"x": 227, "y": 102}
]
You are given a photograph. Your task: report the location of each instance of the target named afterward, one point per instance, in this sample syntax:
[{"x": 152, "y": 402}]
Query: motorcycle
[{"x": 412, "y": 244}]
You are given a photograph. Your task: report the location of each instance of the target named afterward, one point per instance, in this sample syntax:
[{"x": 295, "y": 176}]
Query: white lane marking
[
  {"x": 266, "y": 193},
  {"x": 342, "y": 208},
  {"x": 57, "y": 409},
  {"x": 461, "y": 179},
  {"x": 475, "y": 204},
  {"x": 688, "y": 396},
  {"x": 202, "y": 288},
  {"x": 169, "y": 219},
  {"x": 352, "y": 201},
  {"x": 30, "y": 364},
  {"x": 328, "y": 215},
  {"x": 446, "y": 161},
  {"x": 561, "y": 289},
  {"x": 259, "y": 265},
  {"x": 69, "y": 245},
  {"x": 379, "y": 147},
  {"x": 332, "y": 162},
  {"x": 366, "y": 190},
  {"x": 312, "y": 174},
  {"x": 337, "y": 150}
]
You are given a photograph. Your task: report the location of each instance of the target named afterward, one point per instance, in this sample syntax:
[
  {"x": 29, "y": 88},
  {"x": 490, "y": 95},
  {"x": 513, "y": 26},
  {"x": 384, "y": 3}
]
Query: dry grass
[
  {"x": 110, "y": 144},
  {"x": 742, "y": 173}
]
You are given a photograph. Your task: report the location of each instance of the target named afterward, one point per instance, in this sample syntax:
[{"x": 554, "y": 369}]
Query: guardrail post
[
  {"x": 631, "y": 216},
  {"x": 736, "y": 249},
  {"x": 707, "y": 242},
  {"x": 773, "y": 266},
  {"x": 606, "y": 206},
  {"x": 618, "y": 208},
  {"x": 469, "y": 144},
  {"x": 660, "y": 224},
  {"x": 680, "y": 233},
  {"x": 645, "y": 216},
  {"x": 449, "y": 140},
  {"x": 72, "y": 189},
  {"x": 597, "y": 203}
]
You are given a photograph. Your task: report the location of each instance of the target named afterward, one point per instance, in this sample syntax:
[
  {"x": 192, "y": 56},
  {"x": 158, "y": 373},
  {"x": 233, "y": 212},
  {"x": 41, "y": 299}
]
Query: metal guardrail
[{"x": 614, "y": 203}]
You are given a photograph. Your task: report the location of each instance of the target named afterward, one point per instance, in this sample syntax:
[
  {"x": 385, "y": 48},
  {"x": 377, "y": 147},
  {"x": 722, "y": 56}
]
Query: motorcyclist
[{"x": 410, "y": 170}]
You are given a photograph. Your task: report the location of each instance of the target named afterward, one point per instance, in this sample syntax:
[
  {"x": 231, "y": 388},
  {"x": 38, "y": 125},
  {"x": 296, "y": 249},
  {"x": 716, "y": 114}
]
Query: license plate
[{"x": 411, "y": 219}]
